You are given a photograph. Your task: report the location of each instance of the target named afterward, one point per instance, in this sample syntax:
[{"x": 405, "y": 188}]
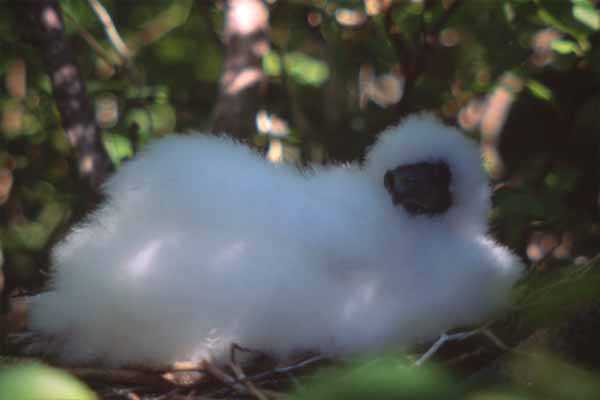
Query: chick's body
[{"x": 202, "y": 243}]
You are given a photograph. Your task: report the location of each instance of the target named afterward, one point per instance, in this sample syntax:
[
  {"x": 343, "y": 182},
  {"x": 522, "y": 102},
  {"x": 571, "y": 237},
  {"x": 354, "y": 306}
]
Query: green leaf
[
  {"x": 118, "y": 147},
  {"x": 271, "y": 64},
  {"x": 34, "y": 381},
  {"x": 546, "y": 17},
  {"x": 585, "y": 13},
  {"x": 540, "y": 90},
  {"x": 562, "y": 46},
  {"x": 305, "y": 69},
  {"x": 563, "y": 179}
]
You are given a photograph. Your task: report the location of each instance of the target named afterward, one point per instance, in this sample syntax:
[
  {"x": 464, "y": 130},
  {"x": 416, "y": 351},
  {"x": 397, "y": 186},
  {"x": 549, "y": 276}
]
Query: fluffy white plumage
[{"x": 203, "y": 243}]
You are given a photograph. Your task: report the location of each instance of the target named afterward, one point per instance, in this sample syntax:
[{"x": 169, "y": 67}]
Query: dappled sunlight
[
  {"x": 13, "y": 109},
  {"x": 6, "y": 183},
  {"x": 246, "y": 17},
  {"x": 314, "y": 18},
  {"x": 236, "y": 82},
  {"x": 278, "y": 152},
  {"x": 107, "y": 110},
  {"x": 12, "y": 118},
  {"x": 450, "y": 37},
  {"x": 350, "y": 17},
  {"x": 541, "y": 44},
  {"x": 384, "y": 90},
  {"x": 271, "y": 124},
  {"x": 543, "y": 244},
  {"x": 16, "y": 78},
  {"x": 489, "y": 117},
  {"x": 66, "y": 74},
  {"x": 51, "y": 20},
  {"x": 375, "y": 7},
  {"x": 470, "y": 115}
]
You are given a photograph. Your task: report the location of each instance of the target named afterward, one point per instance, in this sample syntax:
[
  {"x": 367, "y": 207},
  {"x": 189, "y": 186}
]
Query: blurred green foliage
[
  {"x": 380, "y": 378},
  {"x": 32, "y": 381},
  {"x": 526, "y": 377}
]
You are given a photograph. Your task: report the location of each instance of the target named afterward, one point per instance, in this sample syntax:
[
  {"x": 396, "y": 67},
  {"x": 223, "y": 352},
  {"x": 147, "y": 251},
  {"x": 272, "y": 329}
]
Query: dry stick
[
  {"x": 160, "y": 376},
  {"x": 234, "y": 348},
  {"x": 240, "y": 375},
  {"x": 115, "y": 39},
  {"x": 287, "y": 369},
  {"x": 223, "y": 377},
  {"x": 76, "y": 110},
  {"x": 119, "y": 376},
  {"x": 110, "y": 29},
  {"x": 140, "y": 376},
  {"x": 465, "y": 356},
  {"x": 235, "y": 383}
]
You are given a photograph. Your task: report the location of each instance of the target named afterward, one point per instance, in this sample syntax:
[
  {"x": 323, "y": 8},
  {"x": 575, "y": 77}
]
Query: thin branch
[
  {"x": 224, "y": 378},
  {"x": 252, "y": 389},
  {"x": 443, "y": 339},
  {"x": 115, "y": 39},
  {"x": 110, "y": 29},
  {"x": 289, "y": 368},
  {"x": 120, "y": 376}
]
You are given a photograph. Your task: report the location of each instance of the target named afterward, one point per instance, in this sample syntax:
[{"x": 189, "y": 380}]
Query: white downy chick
[{"x": 203, "y": 243}]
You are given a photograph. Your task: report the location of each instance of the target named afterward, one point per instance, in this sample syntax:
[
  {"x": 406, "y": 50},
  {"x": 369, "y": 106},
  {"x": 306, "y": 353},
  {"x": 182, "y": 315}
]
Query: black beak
[{"x": 421, "y": 188}]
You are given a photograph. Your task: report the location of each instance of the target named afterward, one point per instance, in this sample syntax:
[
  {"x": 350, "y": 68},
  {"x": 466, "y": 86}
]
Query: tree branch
[
  {"x": 76, "y": 111},
  {"x": 246, "y": 41}
]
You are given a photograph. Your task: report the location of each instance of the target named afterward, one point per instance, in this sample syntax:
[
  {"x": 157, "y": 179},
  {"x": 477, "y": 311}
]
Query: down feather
[{"x": 202, "y": 243}]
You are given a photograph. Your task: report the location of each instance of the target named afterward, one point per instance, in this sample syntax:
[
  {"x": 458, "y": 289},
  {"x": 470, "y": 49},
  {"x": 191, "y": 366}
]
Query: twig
[
  {"x": 236, "y": 347},
  {"x": 441, "y": 341},
  {"x": 223, "y": 377},
  {"x": 288, "y": 369},
  {"x": 110, "y": 29},
  {"x": 119, "y": 376},
  {"x": 495, "y": 339},
  {"x": 115, "y": 39},
  {"x": 241, "y": 376},
  {"x": 465, "y": 356}
]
